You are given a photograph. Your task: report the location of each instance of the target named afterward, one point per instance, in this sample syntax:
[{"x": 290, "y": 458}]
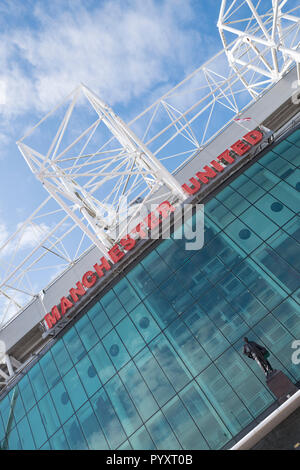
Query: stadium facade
[{"x": 142, "y": 349}]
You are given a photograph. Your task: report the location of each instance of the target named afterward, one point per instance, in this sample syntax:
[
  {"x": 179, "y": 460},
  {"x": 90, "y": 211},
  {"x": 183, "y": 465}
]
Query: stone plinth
[{"x": 281, "y": 386}]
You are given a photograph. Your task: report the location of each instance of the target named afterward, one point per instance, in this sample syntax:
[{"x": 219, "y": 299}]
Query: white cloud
[{"x": 119, "y": 51}]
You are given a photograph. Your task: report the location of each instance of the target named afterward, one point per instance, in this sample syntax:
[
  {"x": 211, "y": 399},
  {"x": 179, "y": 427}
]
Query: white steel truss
[
  {"x": 266, "y": 41},
  {"x": 100, "y": 171}
]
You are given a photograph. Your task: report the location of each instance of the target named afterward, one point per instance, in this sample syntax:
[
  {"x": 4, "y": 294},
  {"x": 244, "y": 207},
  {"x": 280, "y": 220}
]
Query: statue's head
[{"x": 246, "y": 339}]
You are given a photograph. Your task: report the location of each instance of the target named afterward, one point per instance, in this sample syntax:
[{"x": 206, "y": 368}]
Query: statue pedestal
[{"x": 281, "y": 386}]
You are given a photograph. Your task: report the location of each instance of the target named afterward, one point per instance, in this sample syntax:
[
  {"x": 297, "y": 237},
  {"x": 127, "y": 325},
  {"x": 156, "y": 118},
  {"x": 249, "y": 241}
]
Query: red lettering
[
  {"x": 104, "y": 265},
  {"x": 128, "y": 243},
  {"x": 53, "y": 317},
  {"x": 65, "y": 304},
  {"x": 253, "y": 137},
  {"x": 139, "y": 229},
  {"x": 116, "y": 254},
  {"x": 89, "y": 279},
  {"x": 152, "y": 220},
  {"x": 240, "y": 148},
  {"x": 194, "y": 188},
  {"x": 226, "y": 156},
  {"x": 216, "y": 165},
  {"x": 165, "y": 208},
  {"x": 76, "y": 292},
  {"x": 204, "y": 175}
]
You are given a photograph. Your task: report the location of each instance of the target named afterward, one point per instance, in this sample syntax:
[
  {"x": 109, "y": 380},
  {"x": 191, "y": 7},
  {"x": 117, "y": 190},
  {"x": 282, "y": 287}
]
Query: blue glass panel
[
  {"x": 88, "y": 376},
  {"x": 156, "y": 267},
  {"x": 61, "y": 357},
  {"x": 218, "y": 213},
  {"x": 62, "y": 402},
  {"x": 211, "y": 426},
  {"x": 161, "y": 433},
  {"x": 274, "y": 209},
  {"x": 108, "y": 419},
  {"x": 224, "y": 399},
  {"x": 247, "y": 188},
  {"x": 170, "y": 362},
  {"x": 130, "y": 336},
  {"x": 263, "y": 177},
  {"x": 38, "y": 382},
  {"x": 49, "y": 415},
  {"x": 293, "y": 228},
  {"x": 59, "y": 441},
  {"x": 26, "y": 391},
  {"x": 210, "y": 338},
  {"x": 127, "y": 294},
  {"x": 25, "y": 434},
  {"x": 37, "y": 427},
  {"x": 86, "y": 332},
  {"x": 183, "y": 426},
  {"x": 191, "y": 277},
  {"x": 288, "y": 313},
  {"x": 102, "y": 363},
  {"x": 276, "y": 267},
  {"x": 144, "y": 322},
  {"x": 111, "y": 304},
  {"x": 278, "y": 340},
  {"x": 115, "y": 349},
  {"x": 168, "y": 250},
  {"x": 138, "y": 391},
  {"x": 288, "y": 151},
  {"x": 74, "y": 345},
  {"x": 187, "y": 346},
  {"x": 125, "y": 446},
  {"x": 46, "y": 446},
  {"x": 176, "y": 294},
  {"x": 99, "y": 320},
  {"x": 287, "y": 195},
  {"x": 141, "y": 440},
  {"x": 241, "y": 299},
  {"x": 229, "y": 322},
  {"x": 243, "y": 236},
  {"x": 226, "y": 250},
  {"x": 123, "y": 405},
  {"x": 14, "y": 441},
  {"x": 91, "y": 428},
  {"x": 141, "y": 281},
  {"x": 74, "y": 435},
  {"x": 5, "y": 406},
  {"x": 267, "y": 291},
  {"x": 160, "y": 308},
  {"x": 18, "y": 408},
  {"x": 244, "y": 382},
  {"x": 49, "y": 369},
  {"x": 279, "y": 166},
  {"x": 154, "y": 377},
  {"x": 74, "y": 389},
  {"x": 258, "y": 222},
  {"x": 233, "y": 200},
  {"x": 286, "y": 247}
]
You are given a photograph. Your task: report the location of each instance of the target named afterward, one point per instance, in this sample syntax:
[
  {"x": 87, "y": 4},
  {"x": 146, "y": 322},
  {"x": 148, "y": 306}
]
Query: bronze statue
[{"x": 259, "y": 354}]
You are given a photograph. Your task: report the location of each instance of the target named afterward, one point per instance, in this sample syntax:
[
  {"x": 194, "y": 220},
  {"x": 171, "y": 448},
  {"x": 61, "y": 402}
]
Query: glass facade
[{"x": 157, "y": 362}]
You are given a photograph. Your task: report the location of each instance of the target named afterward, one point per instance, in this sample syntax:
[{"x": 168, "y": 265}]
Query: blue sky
[{"x": 127, "y": 51}]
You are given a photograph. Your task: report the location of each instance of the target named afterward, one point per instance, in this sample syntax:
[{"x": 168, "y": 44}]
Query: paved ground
[{"x": 285, "y": 437}]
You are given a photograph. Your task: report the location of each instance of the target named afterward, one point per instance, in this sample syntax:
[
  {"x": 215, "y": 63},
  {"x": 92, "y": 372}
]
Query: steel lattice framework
[
  {"x": 100, "y": 171},
  {"x": 267, "y": 42}
]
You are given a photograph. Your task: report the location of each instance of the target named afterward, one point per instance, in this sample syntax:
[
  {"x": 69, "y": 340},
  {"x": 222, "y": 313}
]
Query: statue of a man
[{"x": 259, "y": 354}]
